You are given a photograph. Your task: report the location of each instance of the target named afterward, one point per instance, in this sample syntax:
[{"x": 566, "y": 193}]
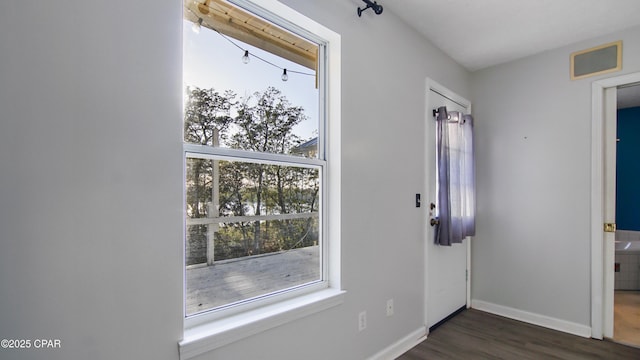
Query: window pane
[
  {"x": 233, "y": 104},
  {"x": 252, "y": 229}
]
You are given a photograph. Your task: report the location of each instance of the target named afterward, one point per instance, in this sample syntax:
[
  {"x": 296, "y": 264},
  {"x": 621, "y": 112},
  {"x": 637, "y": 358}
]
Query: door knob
[{"x": 434, "y": 222}]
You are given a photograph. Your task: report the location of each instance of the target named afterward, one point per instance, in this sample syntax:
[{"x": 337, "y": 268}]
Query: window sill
[{"x": 210, "y": 336}]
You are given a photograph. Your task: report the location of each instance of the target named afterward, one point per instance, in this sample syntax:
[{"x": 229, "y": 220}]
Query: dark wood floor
[{"x": 474, "y": 334}]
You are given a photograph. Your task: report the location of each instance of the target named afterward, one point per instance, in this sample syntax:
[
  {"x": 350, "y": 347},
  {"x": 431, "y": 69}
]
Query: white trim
[
  {"x": 596, "y": 211},
  {"x": 468, "y": 274},
  {"x": 426, "y": 199},
  {"x": 597, "y": 198},
  {"x": 210, "y": 336},
  {"x": 333, "y": 129},
  {"x": 401, "y": 346},
  {"x": 533, "y": 318},
  {"x": 284, "y": 16},
  {"x": 432, "y": 85},
  {"x": 609, "y": 204},
  {"x": 440, "y": 89}
]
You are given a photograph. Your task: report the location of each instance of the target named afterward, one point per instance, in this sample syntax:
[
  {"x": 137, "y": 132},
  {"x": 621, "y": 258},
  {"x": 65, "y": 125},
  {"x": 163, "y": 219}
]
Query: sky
[{"x": 211, "y": 61}]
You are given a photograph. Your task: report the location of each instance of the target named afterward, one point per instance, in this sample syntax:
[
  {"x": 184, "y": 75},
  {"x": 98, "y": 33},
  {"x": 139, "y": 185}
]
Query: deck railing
[{"x": 213, "y": 224}]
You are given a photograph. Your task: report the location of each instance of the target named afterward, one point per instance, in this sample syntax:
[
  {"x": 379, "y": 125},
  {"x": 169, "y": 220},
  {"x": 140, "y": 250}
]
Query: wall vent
[{"x": 597, "y": 60}]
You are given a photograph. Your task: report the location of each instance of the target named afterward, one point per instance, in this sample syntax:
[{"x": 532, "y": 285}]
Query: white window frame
[{"x": 210, "y": 330}]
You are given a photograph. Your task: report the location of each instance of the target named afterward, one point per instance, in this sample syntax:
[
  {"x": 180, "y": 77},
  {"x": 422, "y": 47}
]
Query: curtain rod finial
[{"x": 370, "y": 5}]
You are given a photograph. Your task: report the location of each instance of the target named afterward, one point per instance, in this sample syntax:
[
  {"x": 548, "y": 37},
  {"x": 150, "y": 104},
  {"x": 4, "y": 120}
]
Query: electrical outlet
[
  {"x": 362, "y": 321},
  {"x": 389, "y": 307}
]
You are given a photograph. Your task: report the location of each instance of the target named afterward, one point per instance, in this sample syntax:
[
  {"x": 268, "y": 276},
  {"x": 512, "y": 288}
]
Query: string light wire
[{"x": 256, "y": 56}]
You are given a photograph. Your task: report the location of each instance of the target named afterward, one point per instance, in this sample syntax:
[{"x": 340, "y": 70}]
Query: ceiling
[{"x": 479, "y": 34}]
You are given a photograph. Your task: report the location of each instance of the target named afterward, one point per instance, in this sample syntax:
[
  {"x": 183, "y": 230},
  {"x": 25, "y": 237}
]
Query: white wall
[
  {"x": 384, "y": 66},
  {"x": 90, "y": 199},
  {"x": 532, "y": 249},
  {"x": 90, "y": 156}
]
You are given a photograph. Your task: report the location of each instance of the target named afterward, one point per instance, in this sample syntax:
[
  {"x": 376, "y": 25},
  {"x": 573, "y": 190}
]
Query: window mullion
[{"x": 253, "y": 156}]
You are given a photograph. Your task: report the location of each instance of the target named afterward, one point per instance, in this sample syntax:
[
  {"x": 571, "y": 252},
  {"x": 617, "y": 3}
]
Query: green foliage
[
  {"x": 263, "y": 122},
  {"x": 266, "y": 124},
  {"x": 206, "y": 112}
]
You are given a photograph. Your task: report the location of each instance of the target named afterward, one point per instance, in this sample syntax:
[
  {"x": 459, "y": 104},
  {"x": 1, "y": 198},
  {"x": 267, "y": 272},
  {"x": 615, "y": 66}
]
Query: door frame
[
  {"x": 601, "y": 275},
  {"x": 429, "y": 149}
]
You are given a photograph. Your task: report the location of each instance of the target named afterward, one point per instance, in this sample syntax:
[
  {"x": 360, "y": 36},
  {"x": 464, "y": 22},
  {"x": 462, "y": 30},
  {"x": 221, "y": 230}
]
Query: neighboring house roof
[{"x": 306, "y": 147}]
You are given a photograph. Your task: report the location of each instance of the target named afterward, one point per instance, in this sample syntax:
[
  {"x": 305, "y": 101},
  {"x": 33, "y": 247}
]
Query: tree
[
  {"x": 207, "y": 117},
  {"x": 263, "y": 122},
  {"x": 207, "y": 114},
  {"x": 265, "y": 125}
]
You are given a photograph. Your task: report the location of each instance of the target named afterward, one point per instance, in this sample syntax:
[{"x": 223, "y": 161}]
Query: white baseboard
[
  {"x": 532, "y": 318},
  {"x": 401, "y": 346}
]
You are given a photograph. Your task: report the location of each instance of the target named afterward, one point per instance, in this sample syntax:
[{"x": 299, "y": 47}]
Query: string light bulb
[
  {"x": 196, "y": 26},
  {"x": 284, "y": 76},
  {"x": 246, "y": 58}
]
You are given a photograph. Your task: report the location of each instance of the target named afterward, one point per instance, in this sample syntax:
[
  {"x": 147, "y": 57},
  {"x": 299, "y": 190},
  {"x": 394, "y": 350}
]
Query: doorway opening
[
  {"x": 603, "y": 202},
  {"x": 626, "y": 319}
]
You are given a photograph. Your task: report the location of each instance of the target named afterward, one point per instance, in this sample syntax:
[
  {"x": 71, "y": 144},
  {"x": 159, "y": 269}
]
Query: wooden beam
[{"x": 241, "y": 25}]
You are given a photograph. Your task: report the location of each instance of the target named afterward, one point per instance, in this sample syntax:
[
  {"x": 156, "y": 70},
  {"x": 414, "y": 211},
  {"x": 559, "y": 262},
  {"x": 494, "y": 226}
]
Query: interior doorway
[
  {"x": 603, "y": 201},
  {"x": 626, "y": 319}
]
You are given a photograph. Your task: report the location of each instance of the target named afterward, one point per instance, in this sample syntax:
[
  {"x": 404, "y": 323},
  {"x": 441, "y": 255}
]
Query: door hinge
[
  {"x": 466, "y": 275},
  {"x": 609, "y": 227}
]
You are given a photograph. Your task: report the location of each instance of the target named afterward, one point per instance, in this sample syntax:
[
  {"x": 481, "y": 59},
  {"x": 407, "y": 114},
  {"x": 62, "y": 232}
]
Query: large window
[{"x": 256, "y": 158}]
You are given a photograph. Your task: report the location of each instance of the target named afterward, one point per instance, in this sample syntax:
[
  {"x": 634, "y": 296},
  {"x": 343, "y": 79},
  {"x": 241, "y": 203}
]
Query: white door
[{"x": 446, "y": 288}]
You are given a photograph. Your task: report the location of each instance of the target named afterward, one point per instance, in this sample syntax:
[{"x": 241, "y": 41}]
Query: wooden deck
[{"x": 229, "y": 281}]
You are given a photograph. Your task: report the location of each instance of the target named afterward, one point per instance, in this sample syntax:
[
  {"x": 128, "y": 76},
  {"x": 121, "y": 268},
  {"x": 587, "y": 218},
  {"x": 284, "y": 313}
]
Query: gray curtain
[{"x": 455, "y": 183}]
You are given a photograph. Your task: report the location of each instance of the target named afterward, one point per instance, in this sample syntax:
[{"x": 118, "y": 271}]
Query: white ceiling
[{"x": 482, "y": 33}]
